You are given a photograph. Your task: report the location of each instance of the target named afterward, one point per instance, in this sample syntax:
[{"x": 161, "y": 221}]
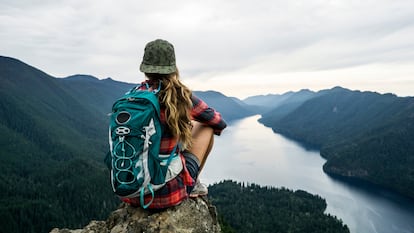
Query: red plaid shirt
[{"x": 175, "y": 190}]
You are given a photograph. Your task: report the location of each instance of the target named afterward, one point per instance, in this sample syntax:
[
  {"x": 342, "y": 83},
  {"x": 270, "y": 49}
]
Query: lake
[{"x": 248, "y": 151}]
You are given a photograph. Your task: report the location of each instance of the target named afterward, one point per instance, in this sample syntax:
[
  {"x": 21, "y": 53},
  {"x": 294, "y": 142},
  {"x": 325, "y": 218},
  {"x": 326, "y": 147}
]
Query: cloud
[{"x": 213, "y": 39}]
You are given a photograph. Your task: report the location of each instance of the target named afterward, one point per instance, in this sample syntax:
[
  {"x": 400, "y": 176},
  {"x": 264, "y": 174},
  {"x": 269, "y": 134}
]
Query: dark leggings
[{"x": 193, "y": 167}]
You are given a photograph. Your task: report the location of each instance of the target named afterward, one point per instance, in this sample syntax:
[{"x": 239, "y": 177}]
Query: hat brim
[{"x": 157, "y": 69}]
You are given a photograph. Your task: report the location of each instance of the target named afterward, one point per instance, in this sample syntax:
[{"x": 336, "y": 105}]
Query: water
[{"x": 248, "y": 151}]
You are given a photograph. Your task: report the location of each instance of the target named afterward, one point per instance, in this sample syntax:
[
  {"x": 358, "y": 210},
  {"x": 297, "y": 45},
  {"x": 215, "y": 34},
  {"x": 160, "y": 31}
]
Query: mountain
[
  {"x": 230, "y": 108},
  {"x": 363, "y": 135},
  {"x": 289, "y": 102},
  {"x": 267, "y": 100},
  {"x": 52, "y": 145},
  {"x": 249, "y": 108},
  {"x": 264, "y": 104}
]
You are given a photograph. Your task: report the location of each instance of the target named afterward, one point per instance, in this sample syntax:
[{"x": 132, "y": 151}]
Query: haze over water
[{"x": 250, "y": 152}]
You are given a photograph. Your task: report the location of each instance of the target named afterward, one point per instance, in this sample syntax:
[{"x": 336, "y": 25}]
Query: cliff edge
[{"x": 191, "y": 216}]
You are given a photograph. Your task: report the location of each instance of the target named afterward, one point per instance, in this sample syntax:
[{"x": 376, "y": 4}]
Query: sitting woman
[{"x": 186, "y": 120}]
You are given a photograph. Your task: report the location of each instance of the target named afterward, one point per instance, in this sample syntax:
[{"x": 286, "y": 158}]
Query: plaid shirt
[{"x": 175, "y": 191}]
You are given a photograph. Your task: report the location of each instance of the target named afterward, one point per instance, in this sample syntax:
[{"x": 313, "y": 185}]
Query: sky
[{"x": 239, "y": 48}]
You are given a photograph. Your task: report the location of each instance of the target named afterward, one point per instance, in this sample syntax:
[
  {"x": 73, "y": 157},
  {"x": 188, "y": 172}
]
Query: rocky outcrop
[{"x": 191, "y": 216}]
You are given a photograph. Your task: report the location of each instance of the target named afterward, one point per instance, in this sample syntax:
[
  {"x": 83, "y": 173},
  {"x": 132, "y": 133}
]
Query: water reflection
[{"x": 247, "y": 151}]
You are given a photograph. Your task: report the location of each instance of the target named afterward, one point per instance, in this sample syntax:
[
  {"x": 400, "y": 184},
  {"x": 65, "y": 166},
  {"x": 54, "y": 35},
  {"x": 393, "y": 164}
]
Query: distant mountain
[
  {"x": 244, "y": 105},
  {"x": 230, "y": 108},
  {"x": 264, "y": 104},
  {"x": 267, "y": 100},
  {"x": 363, "y": 135},
  {"x": 288, "y": 103},
  {"x": 53, "y": 141}
]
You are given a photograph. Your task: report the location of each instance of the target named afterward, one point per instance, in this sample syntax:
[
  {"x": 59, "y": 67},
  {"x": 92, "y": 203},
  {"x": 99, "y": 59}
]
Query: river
[{"x": 248, "y": 151}]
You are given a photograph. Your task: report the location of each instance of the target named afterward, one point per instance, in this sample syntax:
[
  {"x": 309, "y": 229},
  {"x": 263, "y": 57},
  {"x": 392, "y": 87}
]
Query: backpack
[{"x": 135, "y": 131}]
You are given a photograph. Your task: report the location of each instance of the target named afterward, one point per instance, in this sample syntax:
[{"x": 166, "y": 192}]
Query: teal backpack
[{"x": 134, "y": 137}]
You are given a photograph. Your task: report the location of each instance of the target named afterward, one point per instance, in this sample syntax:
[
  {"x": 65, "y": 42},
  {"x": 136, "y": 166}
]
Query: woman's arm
[{"x": 201, "y": 112}]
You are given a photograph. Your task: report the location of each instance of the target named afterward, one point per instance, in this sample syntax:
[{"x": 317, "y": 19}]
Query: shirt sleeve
[{"x": 201, "y": 112}]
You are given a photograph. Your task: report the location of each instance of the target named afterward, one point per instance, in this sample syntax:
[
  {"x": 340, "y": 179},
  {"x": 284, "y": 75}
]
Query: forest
[{"x": 248, "y": 208}]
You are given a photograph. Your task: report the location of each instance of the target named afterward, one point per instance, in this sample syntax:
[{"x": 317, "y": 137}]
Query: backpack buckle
[{"x": 122, "y": 130}]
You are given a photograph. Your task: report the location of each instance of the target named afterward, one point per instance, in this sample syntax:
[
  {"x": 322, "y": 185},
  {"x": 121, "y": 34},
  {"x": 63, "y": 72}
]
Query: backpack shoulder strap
[{"x": 147, "y": 87}]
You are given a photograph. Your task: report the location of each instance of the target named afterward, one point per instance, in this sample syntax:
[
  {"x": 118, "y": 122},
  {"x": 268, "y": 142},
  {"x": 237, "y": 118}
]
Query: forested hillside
[
  {"x": 363, "y": 135},
  {"x": 52, "y": 145},
  {"x": 246, "y": 208}
]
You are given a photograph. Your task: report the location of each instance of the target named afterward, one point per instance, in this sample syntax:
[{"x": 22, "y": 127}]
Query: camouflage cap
[{"x": 159, "y": 57}]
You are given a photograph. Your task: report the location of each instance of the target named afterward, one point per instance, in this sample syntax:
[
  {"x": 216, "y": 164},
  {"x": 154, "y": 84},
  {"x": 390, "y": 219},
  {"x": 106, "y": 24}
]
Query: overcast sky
[{"x": 240, "y": 48}]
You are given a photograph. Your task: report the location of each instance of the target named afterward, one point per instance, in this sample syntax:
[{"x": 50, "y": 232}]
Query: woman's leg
[{"x": 203, "y": 139}]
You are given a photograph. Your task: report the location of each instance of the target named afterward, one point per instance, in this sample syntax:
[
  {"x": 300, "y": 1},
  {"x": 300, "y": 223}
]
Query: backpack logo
[{"x": 135, "y": 132}]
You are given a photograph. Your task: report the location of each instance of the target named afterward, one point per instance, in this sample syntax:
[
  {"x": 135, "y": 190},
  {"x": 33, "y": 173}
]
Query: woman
[{"x": 186, "y": 119}]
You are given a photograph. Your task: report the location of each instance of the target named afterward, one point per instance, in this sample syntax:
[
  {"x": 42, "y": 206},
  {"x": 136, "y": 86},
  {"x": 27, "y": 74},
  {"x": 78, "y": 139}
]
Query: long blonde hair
[{"x": 176, "y": 98}]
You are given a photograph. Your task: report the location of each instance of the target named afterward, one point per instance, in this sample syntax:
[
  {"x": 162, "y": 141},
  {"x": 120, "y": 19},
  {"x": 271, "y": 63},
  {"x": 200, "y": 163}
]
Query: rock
[{"x": 191, "y": 216}]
